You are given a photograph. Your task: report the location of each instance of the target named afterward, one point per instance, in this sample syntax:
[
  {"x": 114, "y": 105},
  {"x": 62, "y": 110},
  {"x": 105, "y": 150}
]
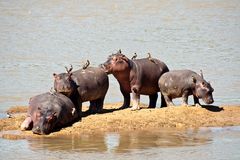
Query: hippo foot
[
  {"x": 135, "y": 108},
  {"x": 91, "y": 111},
  {"x": 185, "y": 105},
  {"x": 198, "y": 105},
  {"x": 123, "y": 107},
  {"x": 23, "y": 128},
  {"x": 170, "y": 105},
  {"x": 27, "y": 124}
]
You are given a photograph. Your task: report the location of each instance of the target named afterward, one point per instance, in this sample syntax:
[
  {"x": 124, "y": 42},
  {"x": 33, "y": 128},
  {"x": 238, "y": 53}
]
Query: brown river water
[{"x": 38, "y": 38}]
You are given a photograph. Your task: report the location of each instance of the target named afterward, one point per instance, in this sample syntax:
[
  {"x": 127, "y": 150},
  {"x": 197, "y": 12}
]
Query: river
[
  {"x": 39, "y": 38},
  {"x": 203, "y": 143}
]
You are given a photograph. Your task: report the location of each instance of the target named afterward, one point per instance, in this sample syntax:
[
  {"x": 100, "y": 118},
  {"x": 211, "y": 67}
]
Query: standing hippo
[
  {"x": 49, "y": 111},
  {"x": 136, "y": 76},
  {"x": 86, "y": 84},
  {"x": 182, "y": 83}
]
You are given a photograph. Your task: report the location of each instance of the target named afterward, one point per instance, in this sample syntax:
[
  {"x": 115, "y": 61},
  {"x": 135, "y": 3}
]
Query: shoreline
[{"x": 111, "y": 119}]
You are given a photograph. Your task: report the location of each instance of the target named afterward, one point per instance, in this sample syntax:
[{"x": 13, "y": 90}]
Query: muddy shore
[{"x": 114, "y": 120}]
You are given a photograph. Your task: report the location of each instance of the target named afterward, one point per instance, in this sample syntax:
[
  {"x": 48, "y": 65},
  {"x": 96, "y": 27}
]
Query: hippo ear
[
  {"x": 194, "y": 79},
  {"x": 119, "y": 51},
  {"x": 55, "y": 76}
]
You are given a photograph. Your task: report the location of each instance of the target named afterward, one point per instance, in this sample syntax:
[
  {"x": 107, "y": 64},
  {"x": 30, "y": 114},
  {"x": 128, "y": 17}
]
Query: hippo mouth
[
  {"x": 42, "y": 131},
  {"x": 39, "y": 131},
  {"x": 65, "y": 92},
  {"x": 208, "y": 100}
]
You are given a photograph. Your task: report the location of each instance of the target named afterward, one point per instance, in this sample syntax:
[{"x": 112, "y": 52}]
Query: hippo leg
[
  {"x": 79, "y": 111},
  {"x": 136, "y": 101},
  {"x": 163, "y": 102},
  {"x": 78, "y": 105},
  {"x": 93, "y": 107},
  {"x": 153, "y": 100},
  {"x": 196, "y": 101},
  {"x": 185, "y": 99},
  {"x": 99, "y": 104},
  {"x": 27, "y": 124},
  {"x": 168, "y": 101},
  {"x": 126, "y": 96}
]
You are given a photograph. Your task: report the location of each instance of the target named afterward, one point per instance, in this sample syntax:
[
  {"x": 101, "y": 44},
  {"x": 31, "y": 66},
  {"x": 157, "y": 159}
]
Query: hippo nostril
[
  {"x": 209, "y": 101},
  {"x": 36, "y": 130}
]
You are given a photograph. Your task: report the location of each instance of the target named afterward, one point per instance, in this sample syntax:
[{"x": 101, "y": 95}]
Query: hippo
[
  {"x": 136, "y": 76},
  {"x": 182, "y": 83},
  {"x": 49, "y": 111},
  {"x": 85, "y": 84}
]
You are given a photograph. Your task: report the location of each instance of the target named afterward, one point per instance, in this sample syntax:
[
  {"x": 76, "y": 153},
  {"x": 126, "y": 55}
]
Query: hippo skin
[
  {"x": 136, "y": 76},
  {"x": 86, "y": 84},
  {"x": 182, "y": 83},
  {"x": 49, "y": 111}
]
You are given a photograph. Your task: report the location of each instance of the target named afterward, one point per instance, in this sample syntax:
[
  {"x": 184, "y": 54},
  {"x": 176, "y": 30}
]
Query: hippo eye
[
  {"x": 203, "y": 83},
  {"x": 57, "y": 78}
]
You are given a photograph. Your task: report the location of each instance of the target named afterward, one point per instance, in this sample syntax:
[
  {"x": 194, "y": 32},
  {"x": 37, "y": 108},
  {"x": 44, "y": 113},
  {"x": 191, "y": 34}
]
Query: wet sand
[{"x": 114, "y": 120}]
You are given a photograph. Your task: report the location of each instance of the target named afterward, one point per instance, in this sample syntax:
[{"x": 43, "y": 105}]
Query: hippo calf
[
  {"x": 182, "y": 83},
  {"x": 136, "y": 76},
  {"x": 86, "y": 84},
  {"x": 49, "y": 111}
]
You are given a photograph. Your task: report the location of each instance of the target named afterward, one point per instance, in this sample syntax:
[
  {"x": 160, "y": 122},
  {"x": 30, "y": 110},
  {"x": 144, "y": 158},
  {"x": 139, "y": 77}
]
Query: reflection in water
[
  {"x": 205, "y": 143},
  {"x": 112, "y": 141},
  {"x": 88, "y": 143},
  {"x": 121, "y": 143},
  {"x": 144, "y": 140}
]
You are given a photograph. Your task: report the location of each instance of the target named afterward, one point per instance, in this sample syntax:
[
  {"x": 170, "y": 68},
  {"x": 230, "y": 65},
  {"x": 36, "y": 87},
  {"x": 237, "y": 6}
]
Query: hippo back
[
  {"x": 92, "y": 83},
  {"x": 148, "y": 73}
]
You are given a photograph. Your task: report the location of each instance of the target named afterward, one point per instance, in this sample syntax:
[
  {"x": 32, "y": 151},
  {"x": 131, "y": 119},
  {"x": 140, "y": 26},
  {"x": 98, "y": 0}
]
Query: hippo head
[
  {"x": 64, "y": 84},
  {"x": 44, "y": 121},
  {"x": 116, "y": 63},
  {"x": 203, "y": 90}
]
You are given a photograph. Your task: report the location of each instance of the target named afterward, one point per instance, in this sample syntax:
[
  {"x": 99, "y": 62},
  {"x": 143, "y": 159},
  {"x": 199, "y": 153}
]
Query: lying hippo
[
  {"x": 86, "y": 84},
  {"x": 136, "y": 76},
  {"x": 49, "y": 111},
  {"x": 182, "y": 83}
]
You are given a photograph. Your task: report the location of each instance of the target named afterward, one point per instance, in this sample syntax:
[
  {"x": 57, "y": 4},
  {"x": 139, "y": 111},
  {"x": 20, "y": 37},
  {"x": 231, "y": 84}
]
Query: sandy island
[{"x": 114, "y": 120}]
